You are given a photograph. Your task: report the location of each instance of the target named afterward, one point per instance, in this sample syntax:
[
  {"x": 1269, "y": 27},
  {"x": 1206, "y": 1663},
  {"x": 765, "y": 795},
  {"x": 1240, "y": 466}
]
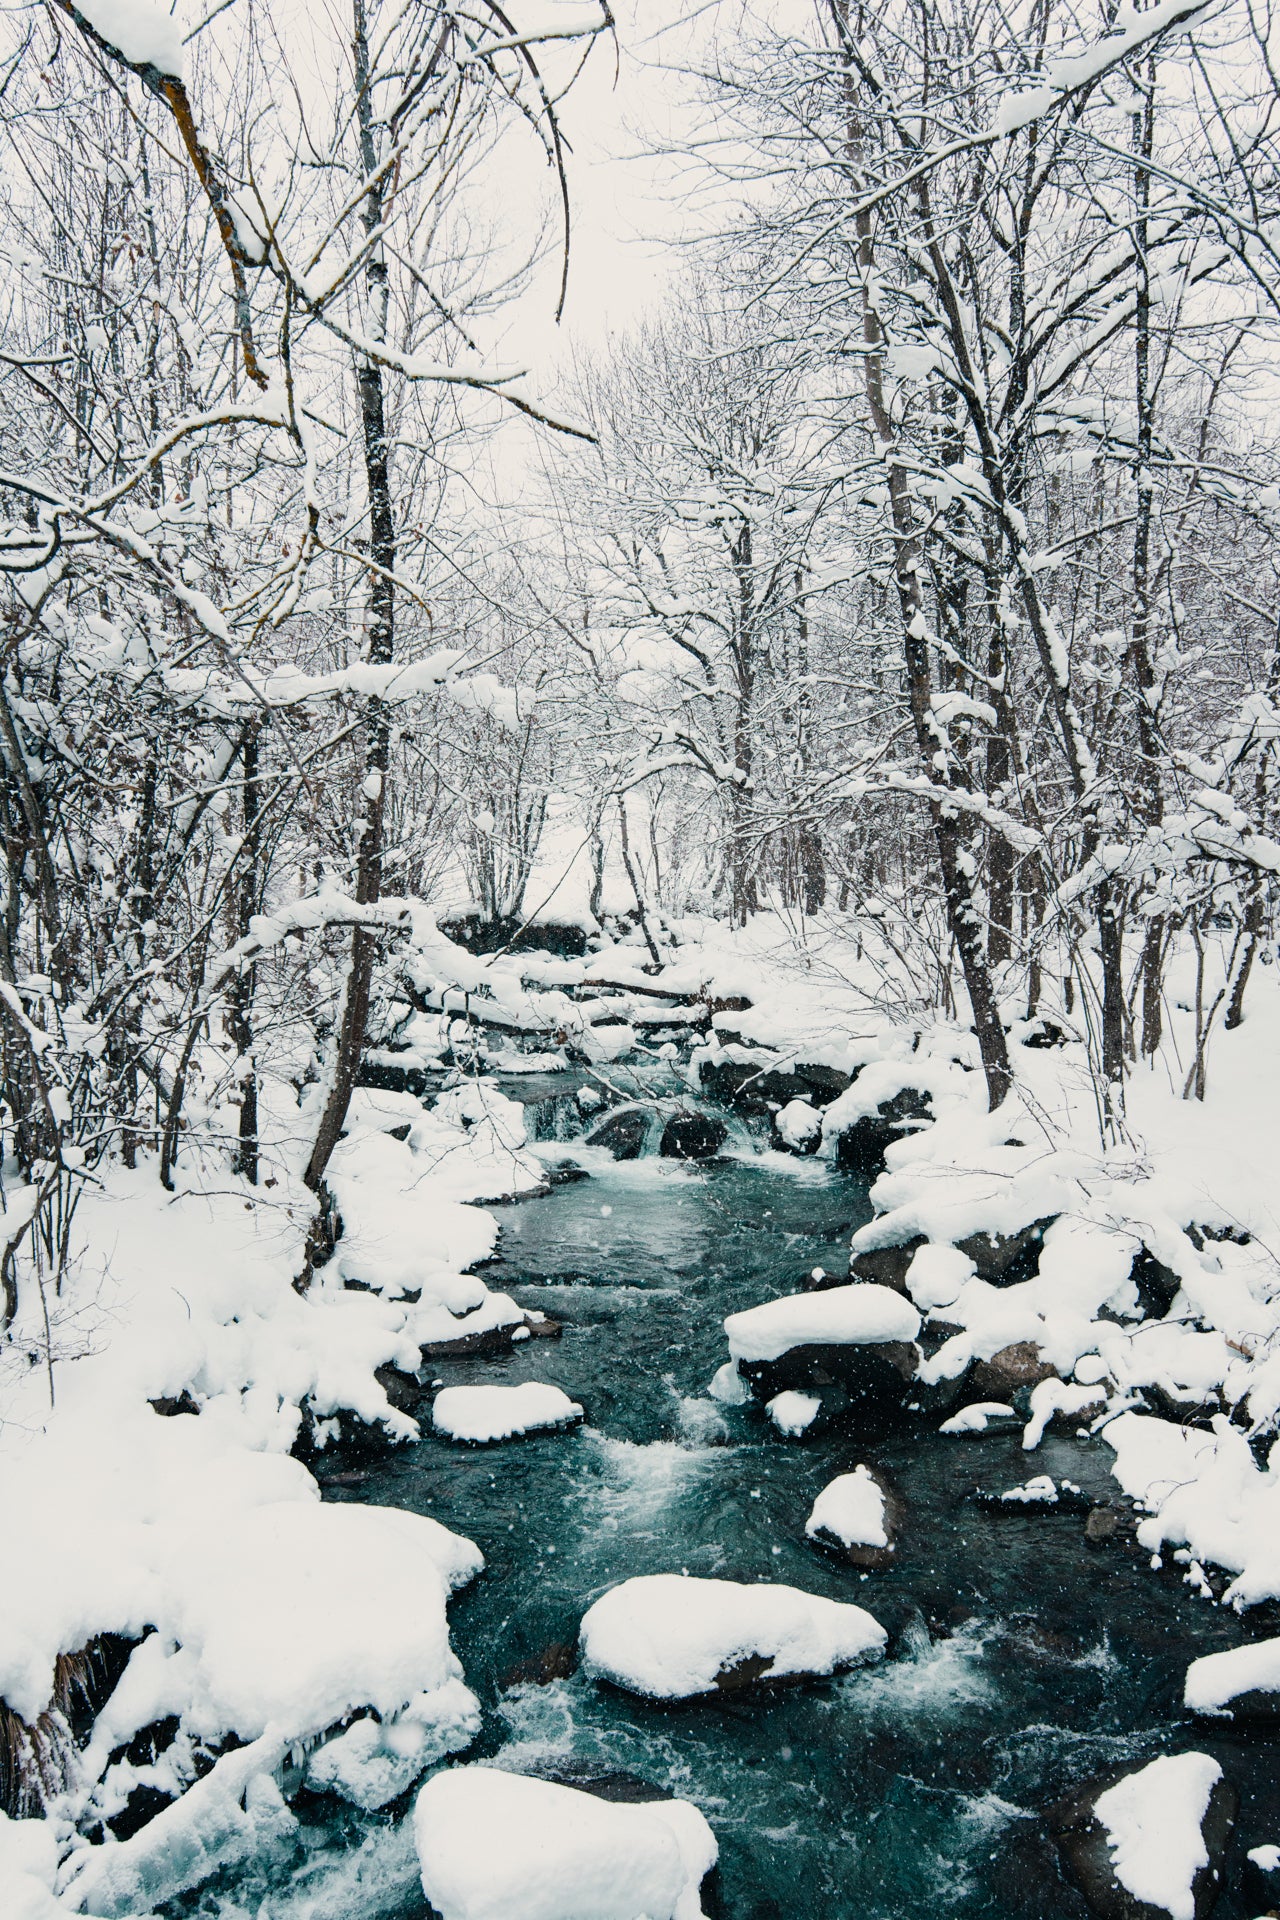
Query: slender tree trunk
[
  {"x": 353, "y": 1019},
  {"x": 240, "y": 1019},
  {"x": 951, "y": 835}
]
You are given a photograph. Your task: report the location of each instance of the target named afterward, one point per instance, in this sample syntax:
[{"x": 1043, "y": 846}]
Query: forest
[{"x": 640, "y": 809}]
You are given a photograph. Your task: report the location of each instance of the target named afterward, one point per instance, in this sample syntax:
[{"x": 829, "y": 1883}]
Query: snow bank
[
  {"x": 504, "y": 1846},
  {"x": 1205, "y": 1492},
  {"x": 670, "y": 1637},
  {"x": 482, "y": 1414},
  {"x": 850, "y": 1509},
  {"x": 28, "y": 1865},
  {"x": 859, "y": 1315},
  {"x": 1153, "y": 1820},
  {"x": 1217, "y": 1681}
]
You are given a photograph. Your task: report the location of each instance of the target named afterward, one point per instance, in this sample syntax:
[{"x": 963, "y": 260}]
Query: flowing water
[{"x": 1021, "y": 1660}]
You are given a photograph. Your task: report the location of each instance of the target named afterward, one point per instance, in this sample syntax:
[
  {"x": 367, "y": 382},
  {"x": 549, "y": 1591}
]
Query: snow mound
[
  {"x": 793, "y": 1413},
  {"x": 670, "y": 1637},
  {"x": 851, "y": 1509},
  {"x": 977, "y": 1417},
  {"x": 1205, "y": 1491},
  {"x": 28, "y": 1863},
  {"x": 863, "y": 1314},
  {"x": 479, "y": 1415},
  {"x": 1153, "y": 1821},
  {"x": 504, "y": 1846},
  {"x": 1215, "y": 1682}
]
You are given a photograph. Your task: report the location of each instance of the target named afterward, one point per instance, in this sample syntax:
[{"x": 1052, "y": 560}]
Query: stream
[{"x": 1022, "y": 1661}]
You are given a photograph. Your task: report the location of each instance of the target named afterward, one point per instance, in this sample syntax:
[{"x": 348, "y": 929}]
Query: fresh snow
[
  {"x": 858, "y": 1315},
  {"x": 669, "y": 1636},
  {"x": 1153, "y": 1822},
  {"x": 1216, "y": 1680},
  {"x": 793, "y": 1413},
  {"x": 487, "y": 1413},
  {"x": 977, "y": 1417},
  {"x": 851, "y": 1509},
  {"x": 506, "y": 1846}
]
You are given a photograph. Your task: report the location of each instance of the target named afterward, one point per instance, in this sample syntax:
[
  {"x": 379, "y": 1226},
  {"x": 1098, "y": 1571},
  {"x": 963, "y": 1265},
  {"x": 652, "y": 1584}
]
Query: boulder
[
  {"x": 858, "y": 1516},
  {"x": 886, "y": 1266},
  {"x": 1013, "y": 1368},
  {"x": 1241, "y": 1683},
  {"x": 481, "y": 1416},
  {"x": 692, "y": 1136},
  {"x": 670, "y": 1637},
  {"x": 624, "y": 1132},
  {"x": 859, "y": 1339},
  {"x": 1149, "y": 1844},
  {"x": 527, "y": 1848},
  {"x": 1006, "y": 1259},
  {"x": 860, "y": 1148}
]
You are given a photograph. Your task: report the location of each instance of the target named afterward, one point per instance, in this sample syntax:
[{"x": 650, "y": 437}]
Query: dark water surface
[{"x": 1021, "y": 1660}]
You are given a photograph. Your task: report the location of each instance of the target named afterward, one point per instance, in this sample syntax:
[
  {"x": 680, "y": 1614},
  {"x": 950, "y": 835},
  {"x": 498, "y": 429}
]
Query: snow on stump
[
  {"x": 668, "y": 1637},
  {"x": 860, "y": 1338},
  {"x": 1243, "y": 1682},
  {"x": 858, "y": 1516},
  {"x": 507, "y": 1846},
  {"x": 1150, "y": 1845},
  {"x": 481, "y": 1416}
]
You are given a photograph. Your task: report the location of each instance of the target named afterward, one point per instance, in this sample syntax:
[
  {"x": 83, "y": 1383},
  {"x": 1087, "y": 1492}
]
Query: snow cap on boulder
[
  {"x": 670, "y": 1637},
  {"x": 506, "y": 1846}
]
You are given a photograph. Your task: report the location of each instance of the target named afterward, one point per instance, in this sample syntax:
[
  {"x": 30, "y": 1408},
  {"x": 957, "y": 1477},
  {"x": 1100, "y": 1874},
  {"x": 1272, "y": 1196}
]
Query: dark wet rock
[
  {"x": 624, "y": 1133},
  {"x": 1085, "y": 1847},
  {"x": 567, "y": 1174},
  {"x": 887, "y": 1266},
  {"x": 1184, "y": 1409},
  {"x": 1013, "y": 1368},
  {"x": 167, "y": 1406},
  {"x": 494, "y": 1339},
  {"x": 1101, "y": 1527},
  {"x": 1156, "y": 1284},
  {"x": 852, "y": 1381},
  {"x": 758, "y": 1087},
  {"x": 1006, "y": 1259},
  {"x": 861, "y": 1146},
  {"x": 692, "y": 1136},
  {"x": 1059, "y": 1497},
  {"x": 555, "y": 1662},
  {"x": 403, "y": 1390}
]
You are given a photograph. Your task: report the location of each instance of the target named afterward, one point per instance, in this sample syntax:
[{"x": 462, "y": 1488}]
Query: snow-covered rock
[
  {"x": 858, "y": 1339},
  {"x": 483, "y": 1414},
  {"x": 794, "y": 1413},
  {"x": 1241, "y": 1680},
  {"x": 374, "y": 1761},
  {"x": 799, "y": 1126},
  {"x": 670, "y": 1637},
  {"x": 506, "y": 1846},
  {"x": 978, "y": 1416},
  {"x": 858, "y": 1315},
  {"x": 1152, "y": 1842},
  {"x": 857, "y": 1515}
]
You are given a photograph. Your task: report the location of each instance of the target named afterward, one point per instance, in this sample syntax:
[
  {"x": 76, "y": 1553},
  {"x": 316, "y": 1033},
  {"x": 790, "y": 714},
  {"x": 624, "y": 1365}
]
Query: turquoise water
[{"x": 1021, "y": 1661}]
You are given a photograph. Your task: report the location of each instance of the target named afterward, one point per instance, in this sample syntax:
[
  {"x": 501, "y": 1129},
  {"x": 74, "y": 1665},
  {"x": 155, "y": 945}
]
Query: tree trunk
[{"x": 354, "y": 1015}]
